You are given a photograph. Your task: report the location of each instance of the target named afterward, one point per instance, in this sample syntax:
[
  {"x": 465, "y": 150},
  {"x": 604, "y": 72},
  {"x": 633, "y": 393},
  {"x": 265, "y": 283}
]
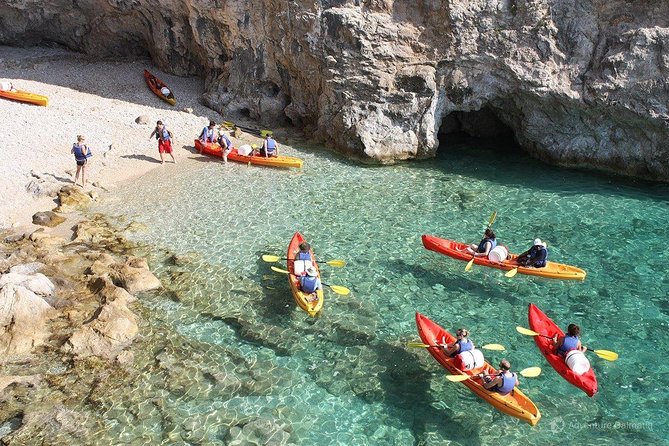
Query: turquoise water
[{"x": 234, "y": 350}]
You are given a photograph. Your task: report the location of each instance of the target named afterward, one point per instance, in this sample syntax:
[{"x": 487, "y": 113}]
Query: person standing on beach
[
  {"x": 81, "y": 154},
  {"x": 164, "y": 137}
]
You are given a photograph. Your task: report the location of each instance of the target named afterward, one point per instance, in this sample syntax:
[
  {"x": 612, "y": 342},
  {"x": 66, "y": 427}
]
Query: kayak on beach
[
  {"x": 515, "y": 404},
  {"x": 457, "y": 251},
  {"x": 159, "y": 88},
  {"x": 215, "y": 149},
  {"x": 25, "y": 96},
  {"x": 308, "y": 302},
  {"x": 543, "y": 325}
]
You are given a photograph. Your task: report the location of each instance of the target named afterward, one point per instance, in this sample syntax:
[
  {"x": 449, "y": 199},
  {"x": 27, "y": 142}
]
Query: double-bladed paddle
[
  {"x": 530, "y": 372},
  {"x": 493, "y": 216},
  {"x": 604, "y": 354},
  {"x": 496, "y": 347},
  {"x": 342, "y": 290},
  {"x": 271, "y": 259}
]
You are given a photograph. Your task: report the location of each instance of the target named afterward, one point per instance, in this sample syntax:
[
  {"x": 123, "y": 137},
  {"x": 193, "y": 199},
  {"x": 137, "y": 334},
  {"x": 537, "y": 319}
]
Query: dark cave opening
[{"x": 482, "y": 128}]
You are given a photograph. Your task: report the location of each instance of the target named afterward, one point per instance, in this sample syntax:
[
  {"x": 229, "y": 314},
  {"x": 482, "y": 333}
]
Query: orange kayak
[
  {"x": 25, "y": 96},
  {"x": 156, "y": 85},
  {"x": 214, "y": 149},
  {"x": 516, "y": 403},
  {"x": 303, "y": 300},
  {"x": 456, "y": 250}
]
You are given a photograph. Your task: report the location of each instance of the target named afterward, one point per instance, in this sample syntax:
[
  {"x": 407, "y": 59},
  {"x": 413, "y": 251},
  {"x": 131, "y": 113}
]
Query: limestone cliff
[{"x": 580, "y": 82}]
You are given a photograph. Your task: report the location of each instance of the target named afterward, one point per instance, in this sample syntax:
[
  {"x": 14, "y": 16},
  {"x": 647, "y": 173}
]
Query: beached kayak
[
  {"x": 456, "y": 250},
  {"x": 25, "y": 96},
  {"x": 274, "y": 161},
  {"x": 542, "y": 324},
  {"x": 304, "y": 301},
  {"x": 156, "y": 85},
  {"x": 516, "y": 403}
]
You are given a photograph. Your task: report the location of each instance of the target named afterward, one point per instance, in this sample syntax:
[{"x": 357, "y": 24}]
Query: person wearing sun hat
[
  {"x": 310, "y": 282},
  {"x": 536, "y": 256}
]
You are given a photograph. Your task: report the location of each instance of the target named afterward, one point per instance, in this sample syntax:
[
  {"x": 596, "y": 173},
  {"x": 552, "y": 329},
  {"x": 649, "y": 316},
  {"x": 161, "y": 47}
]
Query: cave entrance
[{"x": 481, "y": 128}]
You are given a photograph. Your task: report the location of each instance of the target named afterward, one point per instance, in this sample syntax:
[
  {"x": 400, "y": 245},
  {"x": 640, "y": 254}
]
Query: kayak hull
[
  {"x": 542, "y": 324},
  {"x": 155, "y": 85},
  {"x": 515, "y": 404},
  {"x": 25, "y": 96},
  {"x": 216, "y": 150},
  {"x": 302, "y": 299},
  {"x": 456, "y": 250}
]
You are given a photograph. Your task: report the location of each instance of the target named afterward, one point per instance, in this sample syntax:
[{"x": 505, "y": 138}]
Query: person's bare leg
[
  {"x": 76, "y": 177},
  {"x": 83, "y": 175},
  {"x": 173, "y": 159},
  {"x": 162, "y": 158}
]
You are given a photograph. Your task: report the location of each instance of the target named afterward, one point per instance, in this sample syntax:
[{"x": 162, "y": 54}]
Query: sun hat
[
  {"x": 312, "y": 271},
  {"x": 537, "y": 241}
]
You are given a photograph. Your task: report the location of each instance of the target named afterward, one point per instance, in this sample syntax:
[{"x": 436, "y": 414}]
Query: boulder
[
  {"x": 142, "y": 119},
  {"x": 23, "y": 317},
  {"x": 72, "y": 198},
  {"x": 134, "y": 275},
  {"x": 37, "y": 283},
  {"x": 27, "y": 268},
  {"x": 47, "y": 218}
]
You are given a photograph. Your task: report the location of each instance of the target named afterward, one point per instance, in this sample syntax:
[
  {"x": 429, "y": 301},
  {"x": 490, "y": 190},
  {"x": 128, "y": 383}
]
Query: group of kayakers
[
  {"x": 306, "y": 272},
  {"x": 269, "y": 149},
  {"x": 535, "y": 257},
  {"x": 503, "y": 382}
]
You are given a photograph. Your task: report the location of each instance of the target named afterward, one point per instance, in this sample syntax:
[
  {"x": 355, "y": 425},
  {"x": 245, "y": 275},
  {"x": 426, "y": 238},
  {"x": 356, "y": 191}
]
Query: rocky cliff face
[{"x": 579, "y": 82}]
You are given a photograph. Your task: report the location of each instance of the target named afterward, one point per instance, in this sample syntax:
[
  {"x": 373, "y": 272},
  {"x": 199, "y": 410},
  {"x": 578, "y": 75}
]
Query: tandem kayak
[
  {"x": 456, "y": 250},
  {"x": 516, "y": 403},
  {"x": 274, "y": 161},
  {"x": 156, "y": 85},
  {"x": 542, "y": 324},
  {"x": 304, "y": 300},
  {"x": 25, "y": 96}
]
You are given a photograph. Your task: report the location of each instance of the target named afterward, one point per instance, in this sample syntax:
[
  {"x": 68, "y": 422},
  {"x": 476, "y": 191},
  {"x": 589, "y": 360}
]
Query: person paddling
[
  {"x": 462, "y": 344},
  {"x": 208, "y": 134},
  {"x": 310, "y": 283},
  {"x": 571, "y": 341},
  {"x": 534, "y": 257},
  {"x": 503, "y": 382},
  {"x": 484, "y": 247},
  {"x": 270, "y": 148},
  {"x": 81, "y": 154}
]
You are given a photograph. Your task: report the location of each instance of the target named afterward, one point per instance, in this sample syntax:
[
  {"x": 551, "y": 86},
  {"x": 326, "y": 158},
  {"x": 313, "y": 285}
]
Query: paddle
[
  {"x": 342, "y": 290},
  {"x": 604, "y": 354},
  {"x": 496, "y": 347},
  {"x": 530, "y": 372},
  {"x": 271, "y": 259},
  {"x": 261, "y": 132},
  {"x": 493, "y": 216}
]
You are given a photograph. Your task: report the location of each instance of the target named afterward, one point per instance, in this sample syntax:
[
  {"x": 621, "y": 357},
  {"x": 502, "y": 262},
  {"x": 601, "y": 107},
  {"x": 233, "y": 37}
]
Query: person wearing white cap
[
  {"x": 310, "y": 282},
  {"x": 535, "y": 256}
]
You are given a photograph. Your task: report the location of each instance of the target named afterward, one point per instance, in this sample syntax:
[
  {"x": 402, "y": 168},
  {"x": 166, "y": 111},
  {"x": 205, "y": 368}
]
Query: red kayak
[
  {"x": 542, "y": 324},
  {"x": 516, "y": 403}
]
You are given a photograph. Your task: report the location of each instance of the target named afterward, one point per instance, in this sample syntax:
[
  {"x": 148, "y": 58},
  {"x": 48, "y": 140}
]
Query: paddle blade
[
  {"x": 526, "y": 331},
  {"x": 493, "y": 216},
  {"x": 417, "y": 345},
  {"x": 496, "y": 347},
  {"x": 457, "y": 378},
  {"x": 264, "y": 133},
  {"x": 279, "y": 270},
  {"x": 606, "y": 354},
  {"x": 341, "y": 290},
  {"x": 337, "y": 263},
  {"x": 469, "y": 265},
  {"x": 511, "y": 273},
  {"x": 531, "y": 372},
  {"x": 271, "y": 259}
]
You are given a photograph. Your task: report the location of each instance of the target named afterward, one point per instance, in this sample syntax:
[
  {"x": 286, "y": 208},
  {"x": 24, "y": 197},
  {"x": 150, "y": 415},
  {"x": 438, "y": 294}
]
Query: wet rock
[
  {"x": 107, "y": 292},
  {"x": 45, "y": 240},
  {"x": 72, "y": 198},
  {"x": 23, "y": 317},
  {"x": 111, "y": 329},
  {"x": 94, "y": 195},
  {"x": 47, "y": 218},
  {"x": 142, "y": 120},
  {"x": 14, "y": 238},
  {"x": 134, "y": 275},
  {"x": 260, "y": 431},
  {"x": 30, "y": 381},
  {"x": 125, "y": 357}
]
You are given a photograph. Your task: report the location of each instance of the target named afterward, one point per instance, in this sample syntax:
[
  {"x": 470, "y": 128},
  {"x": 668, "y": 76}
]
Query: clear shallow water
[{"x": 347, "y": 377}]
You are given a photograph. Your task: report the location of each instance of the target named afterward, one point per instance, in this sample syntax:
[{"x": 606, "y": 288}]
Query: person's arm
[
  {"x": 153, "y": 133},
  {"x": 581, "y": 347},
  {"x": 264, "y": 149},
  {"x": 276, "y": 148},
  {"x": 557, "y": 341},
  {"x": 492, "y": 383}
]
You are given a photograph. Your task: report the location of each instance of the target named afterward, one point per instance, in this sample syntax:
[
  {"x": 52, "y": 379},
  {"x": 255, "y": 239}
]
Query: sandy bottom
[{"x": 98, "y": 99}]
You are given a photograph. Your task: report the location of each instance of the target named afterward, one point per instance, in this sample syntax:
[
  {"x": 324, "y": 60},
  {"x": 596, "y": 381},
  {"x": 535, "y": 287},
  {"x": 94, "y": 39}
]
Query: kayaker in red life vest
[
  {"x": 485, "y": 246},
  {"x": 462, "y": 344},
  {"x": 571, "y": 341},
  {"x": 503, "y": 382},
  {"x": 534, "y": 257}
]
